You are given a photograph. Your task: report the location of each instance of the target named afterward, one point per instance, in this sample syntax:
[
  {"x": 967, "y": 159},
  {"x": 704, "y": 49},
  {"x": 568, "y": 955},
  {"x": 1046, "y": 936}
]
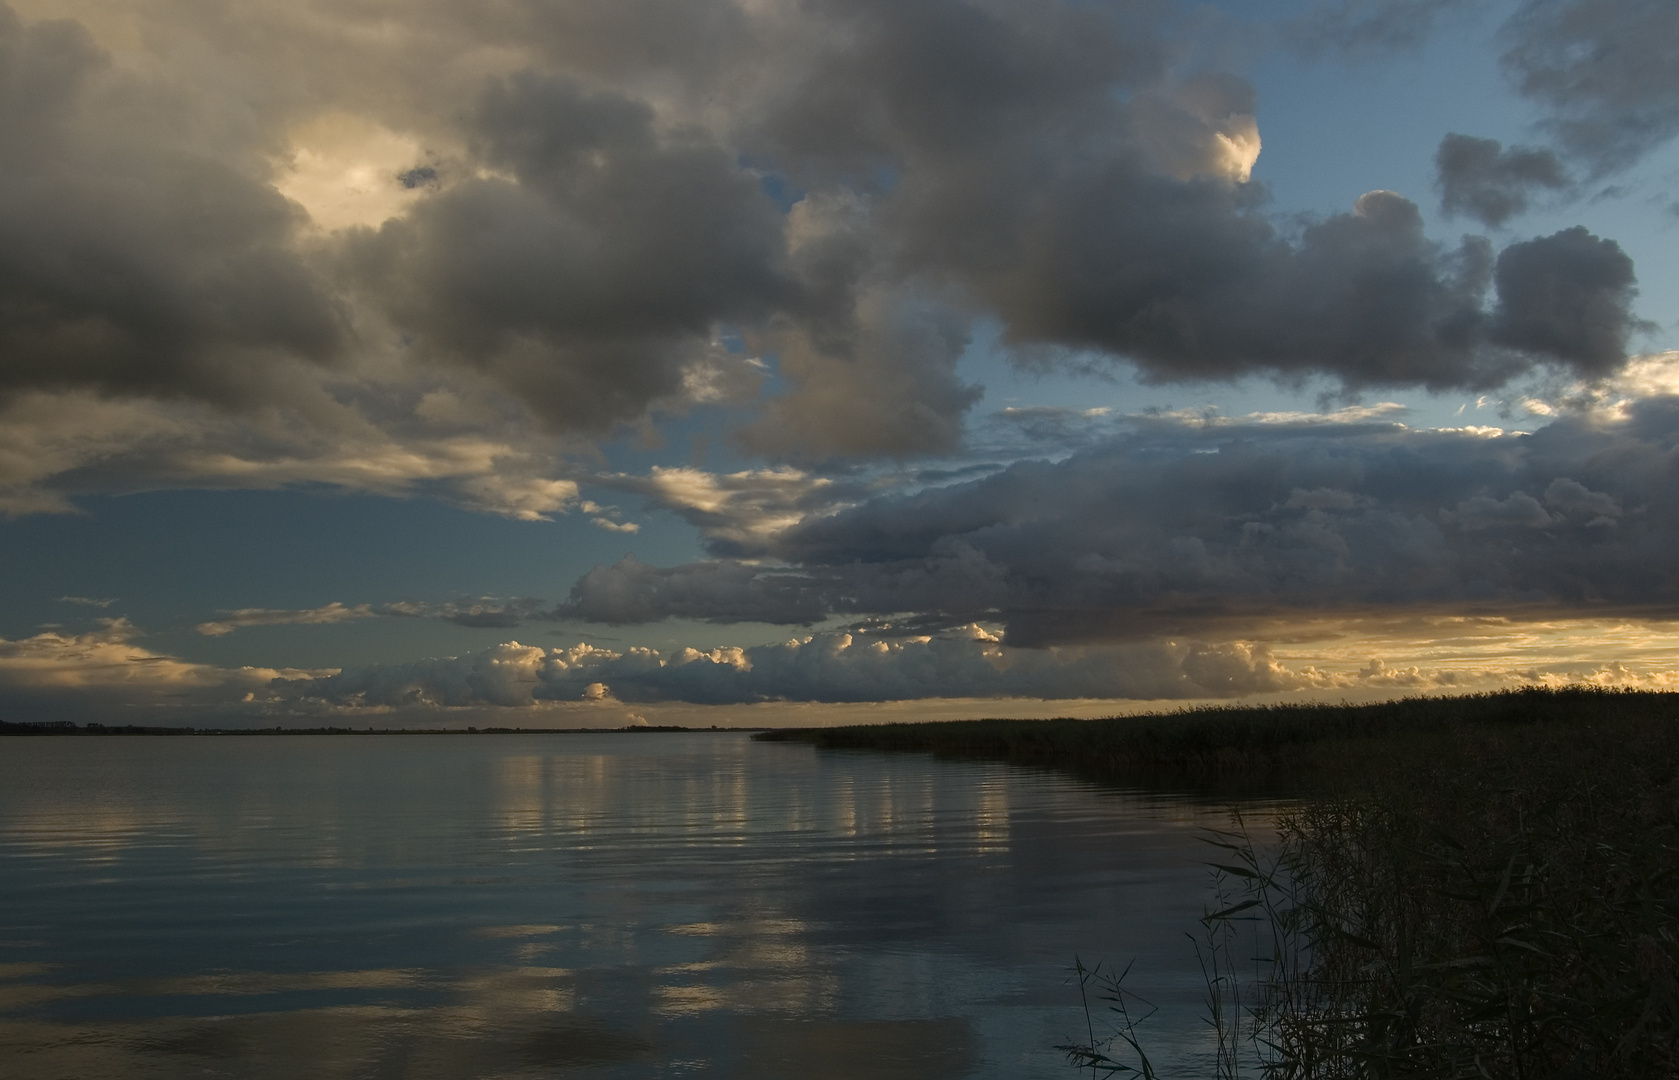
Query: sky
[{"x": 586, "y": 362}]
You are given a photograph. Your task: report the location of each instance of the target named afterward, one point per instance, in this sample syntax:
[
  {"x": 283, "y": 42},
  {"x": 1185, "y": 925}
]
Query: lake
[{"x": 614, "y": 905}]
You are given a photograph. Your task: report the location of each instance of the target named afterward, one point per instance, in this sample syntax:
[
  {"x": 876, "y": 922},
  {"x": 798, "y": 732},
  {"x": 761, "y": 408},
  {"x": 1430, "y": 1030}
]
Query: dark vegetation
[
  {"x": 1484, "y": 886},
  {"x": 1236, "y": 748}
]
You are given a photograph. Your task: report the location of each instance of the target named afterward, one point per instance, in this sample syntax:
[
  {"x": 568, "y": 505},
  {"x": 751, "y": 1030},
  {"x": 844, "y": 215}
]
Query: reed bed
[
  {"x": 1477, "y": 887},
  {"x": 1286, "y": 747}
]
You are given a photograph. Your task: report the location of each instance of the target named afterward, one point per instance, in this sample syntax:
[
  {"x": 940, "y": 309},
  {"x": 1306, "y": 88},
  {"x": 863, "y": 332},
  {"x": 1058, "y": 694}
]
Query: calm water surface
[{"x": 619, "y": 905}]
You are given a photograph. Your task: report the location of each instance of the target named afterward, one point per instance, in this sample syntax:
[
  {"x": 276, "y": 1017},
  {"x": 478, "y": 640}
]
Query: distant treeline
[{"x": 65, "y": 727}]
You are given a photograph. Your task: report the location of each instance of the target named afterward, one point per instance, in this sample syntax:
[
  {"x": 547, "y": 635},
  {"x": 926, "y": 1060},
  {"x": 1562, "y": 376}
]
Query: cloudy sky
[{"x": 578, "y": 361}]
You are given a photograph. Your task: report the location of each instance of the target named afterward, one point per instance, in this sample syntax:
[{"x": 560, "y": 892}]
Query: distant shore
[
  {"x": 50, "y": 728},
  {"x": 1239, "y": 747}
]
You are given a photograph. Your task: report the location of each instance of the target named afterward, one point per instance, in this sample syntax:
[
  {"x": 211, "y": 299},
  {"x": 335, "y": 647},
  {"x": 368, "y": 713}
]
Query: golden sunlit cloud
[{"x": 345, "y": 170}]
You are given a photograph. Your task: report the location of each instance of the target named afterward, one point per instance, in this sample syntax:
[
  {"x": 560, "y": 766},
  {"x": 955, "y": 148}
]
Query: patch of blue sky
[
  {"x": 1334, "y": 127},
  {"x": 176, "y": 558}
]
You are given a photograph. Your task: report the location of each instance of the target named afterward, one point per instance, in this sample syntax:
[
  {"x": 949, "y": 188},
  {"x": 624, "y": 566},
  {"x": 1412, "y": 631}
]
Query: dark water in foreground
[{"x": 631, "y": 905}]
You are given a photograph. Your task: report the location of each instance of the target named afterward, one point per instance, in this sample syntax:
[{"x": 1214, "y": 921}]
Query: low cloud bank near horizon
[
  {"x": 825, "y": 667},
  {"x": 1190, "y": 526},
  {"x": 1204, "y": 527},
  {"x": 964, "y": 662},
  {"x": 106, "y": 675}
]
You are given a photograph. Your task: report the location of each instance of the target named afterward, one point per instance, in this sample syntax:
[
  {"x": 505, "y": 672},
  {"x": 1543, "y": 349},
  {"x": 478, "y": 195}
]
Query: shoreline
[
  {"x": 1235, "y": 748},
  {"x": 65, "y": 729}
]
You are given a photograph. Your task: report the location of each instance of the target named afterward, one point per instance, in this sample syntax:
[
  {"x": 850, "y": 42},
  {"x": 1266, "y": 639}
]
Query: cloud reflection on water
[{"x": 509, "y": 906}]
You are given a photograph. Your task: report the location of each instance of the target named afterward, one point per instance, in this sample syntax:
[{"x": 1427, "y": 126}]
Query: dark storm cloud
[
  {"x": 922, "y": 85},
  {"x": 957, "y": 584},
  {"x": 587, "y": 278},
  {"x": 599, "y": 196},
  {"x": 889, "y": 387},
  {"x": 1478, "y": 177},
  {"x": 1042, "y": 165},
  {"x": 630, "y": 591},
  {"x": 1181, "y": 279},
  {"x": 1033, "y": 161},
  {"x": 1212, "y": 529},
  {"x": 129, "y": 260},
  {"x": 1568, "y": 296},
  {"x": 916, "y": 130}
]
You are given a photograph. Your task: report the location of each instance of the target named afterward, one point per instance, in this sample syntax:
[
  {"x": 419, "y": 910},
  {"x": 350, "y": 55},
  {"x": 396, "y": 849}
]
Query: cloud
[
  {"x": 630, "y": 591},
  {"x": 1183, "y": 528},
  {"x": 1143, "y": 248},
  {"x": 503, "y": 675},
  {"x": 830, "y": 667},
  {"x": 1517, "y": 510},
  {"x": 606, "y": 517},
  {"x": 104, "y": 675},
  {"x": 445, "y": 257},
  {"x": 1179, "y": 278},
  {"x": 1480, "y": 178},
  {"x": 738, "y": 512},
  {"x": 1600, "y": 69},
  {"x": 589, "y": 269},
  {"x": 1051, "y": 423},
  {"x": 1603, "y": 68},
  {"x": 1568, "y": 296},
  {"x": 1573, "y": 498},
  {"x": 335, "y": 612},
  {"x": 959, "y": 662},
  {"x": 88, "y": 601},
  {"x": 54, "y": 445},
  {"x": 890, "y": 389},
  {"x": 1357, "y": 26},
  {"x": 133, "y": 262},
  {"x": 485, "y": 612}
]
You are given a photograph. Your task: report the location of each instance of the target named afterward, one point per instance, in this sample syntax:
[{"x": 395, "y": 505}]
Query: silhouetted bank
[
  {"x": 1482, "y": 886},
  {"x": 1242, "y": 747}
]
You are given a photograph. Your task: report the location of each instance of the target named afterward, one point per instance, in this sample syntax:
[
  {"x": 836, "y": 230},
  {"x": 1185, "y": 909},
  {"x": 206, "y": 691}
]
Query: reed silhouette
[{"x": 1473, "y": 887}]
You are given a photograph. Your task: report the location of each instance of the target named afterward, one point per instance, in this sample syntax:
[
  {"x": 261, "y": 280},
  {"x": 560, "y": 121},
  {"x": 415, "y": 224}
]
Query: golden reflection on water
[
  {"x": 542, "y": 796},
  {"x": 499, "y": 1022},
  {"x": 96, "y": 831},
  {"x": 761, "y": 964},
  {"x": 992, "y": 815},
  {"x": 512, "y": 1023}
]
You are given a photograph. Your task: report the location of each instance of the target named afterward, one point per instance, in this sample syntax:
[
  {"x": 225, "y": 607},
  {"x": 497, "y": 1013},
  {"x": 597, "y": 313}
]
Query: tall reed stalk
[{"x": 1501, "y": 905}]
